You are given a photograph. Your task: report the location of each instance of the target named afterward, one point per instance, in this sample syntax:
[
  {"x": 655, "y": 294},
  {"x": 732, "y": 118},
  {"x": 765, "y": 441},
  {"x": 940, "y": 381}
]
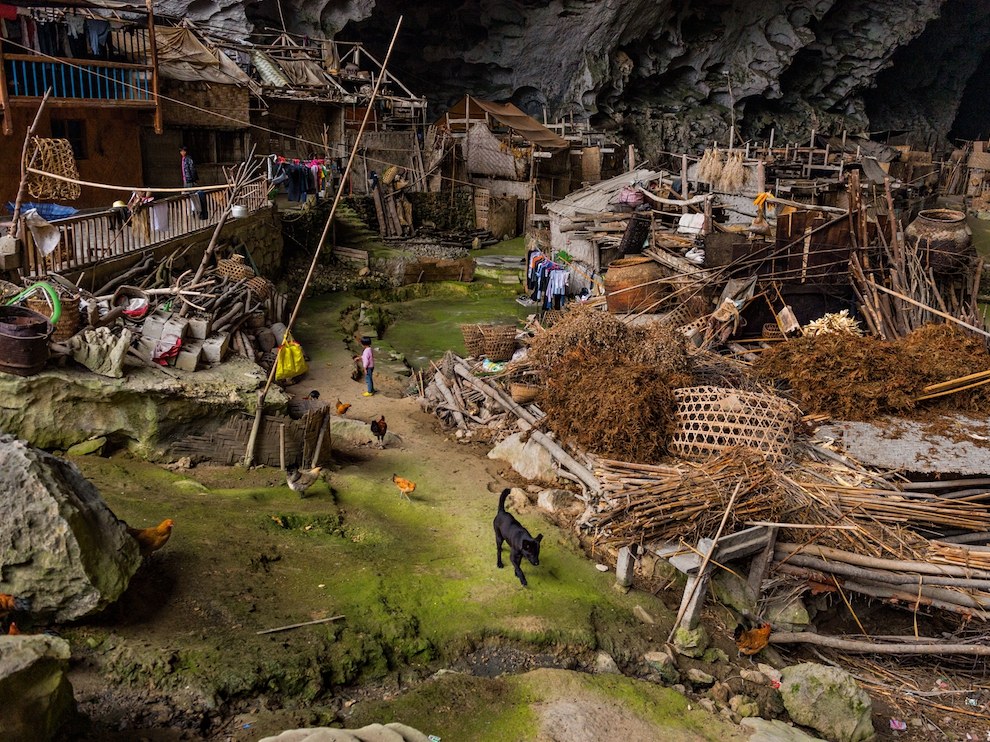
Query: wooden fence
[{"x": 88, "y": 239}]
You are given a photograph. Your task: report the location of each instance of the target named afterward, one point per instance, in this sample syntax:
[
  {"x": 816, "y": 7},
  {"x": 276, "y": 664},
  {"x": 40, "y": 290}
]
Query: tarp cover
[
  {"x": 182, "y": 56},
  {"x": 508, "y": 115}
]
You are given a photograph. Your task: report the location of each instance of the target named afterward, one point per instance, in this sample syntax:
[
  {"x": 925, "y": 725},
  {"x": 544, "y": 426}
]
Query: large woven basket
[
  {"x": 234, "y": 268},
  {"x": 261, "y": 287},
  {"x": 500, "y": 341},
  {"x": 712, "y": 419},
  {"x": 474, "y": 342},
  {"x": 68, "y": 323}
]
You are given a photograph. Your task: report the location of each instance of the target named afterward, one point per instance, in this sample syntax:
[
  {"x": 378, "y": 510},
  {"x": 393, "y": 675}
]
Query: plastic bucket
[{"x": 238, "y": 211}]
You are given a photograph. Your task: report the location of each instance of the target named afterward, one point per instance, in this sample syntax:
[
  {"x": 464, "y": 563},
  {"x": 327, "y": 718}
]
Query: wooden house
[{"x": 100, "y": 66}]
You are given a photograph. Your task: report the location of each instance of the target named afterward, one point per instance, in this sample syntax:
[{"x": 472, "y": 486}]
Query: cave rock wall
[{"x": 669, "y": 73}]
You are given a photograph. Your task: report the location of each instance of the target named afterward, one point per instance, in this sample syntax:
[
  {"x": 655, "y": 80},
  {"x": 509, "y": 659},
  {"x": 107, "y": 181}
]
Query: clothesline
[{"x": 108, "y": 187}]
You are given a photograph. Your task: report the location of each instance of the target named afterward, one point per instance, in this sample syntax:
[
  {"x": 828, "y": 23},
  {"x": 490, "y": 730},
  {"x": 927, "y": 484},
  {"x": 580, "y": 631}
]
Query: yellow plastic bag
[{"x": 291, "y": 360}]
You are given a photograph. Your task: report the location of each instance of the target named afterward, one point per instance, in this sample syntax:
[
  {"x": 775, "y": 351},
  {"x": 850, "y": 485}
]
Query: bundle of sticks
[{"x": 642, "y": 502}]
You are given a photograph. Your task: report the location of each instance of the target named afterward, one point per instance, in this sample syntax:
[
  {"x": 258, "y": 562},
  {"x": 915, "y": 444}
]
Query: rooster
[
  {"x": 379, "y": 427},
  {"x": 751, "y": 635},
  {"x": 9, "y": 604},
  {"x": 300, "y": 480},
  {"x": 342, "y": 407},
  {"x": 406, "y": 486},
  {"x": 154, "y": 538}
]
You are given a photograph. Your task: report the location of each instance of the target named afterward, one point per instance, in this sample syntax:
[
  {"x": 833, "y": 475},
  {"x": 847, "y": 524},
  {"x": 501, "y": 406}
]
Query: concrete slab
[{"x": 953, "y": 444}]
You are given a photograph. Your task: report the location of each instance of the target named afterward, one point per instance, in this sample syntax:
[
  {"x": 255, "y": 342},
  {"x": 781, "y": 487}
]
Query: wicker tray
[{"x": 711, "y": 419}]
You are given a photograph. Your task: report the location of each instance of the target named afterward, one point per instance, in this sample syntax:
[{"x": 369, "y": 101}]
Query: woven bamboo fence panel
[{"x": 711, "y": 419}]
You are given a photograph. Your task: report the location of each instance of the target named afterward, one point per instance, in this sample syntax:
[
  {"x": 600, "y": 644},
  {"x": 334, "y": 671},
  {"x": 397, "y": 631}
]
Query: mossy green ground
[{"x": 415, "y": 581}]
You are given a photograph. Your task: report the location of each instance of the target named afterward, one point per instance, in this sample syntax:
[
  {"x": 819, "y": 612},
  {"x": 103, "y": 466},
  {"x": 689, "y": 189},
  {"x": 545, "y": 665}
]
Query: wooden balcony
[
  {"x": 76, "y": 81},
  {"x": 87, "y": 239}
]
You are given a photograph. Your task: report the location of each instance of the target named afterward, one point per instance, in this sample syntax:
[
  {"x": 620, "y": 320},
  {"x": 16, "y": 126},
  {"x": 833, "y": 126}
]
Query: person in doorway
[
  {"x": 402, "y": 203},
  {"x": 190, "y": 179},
  {"x": 368, "y": 363}
]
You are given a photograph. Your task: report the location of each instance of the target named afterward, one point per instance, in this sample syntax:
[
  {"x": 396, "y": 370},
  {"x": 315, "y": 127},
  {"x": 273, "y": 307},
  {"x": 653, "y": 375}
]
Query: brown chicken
[
  {"x": 9, "y": 604},
  {"x": 379, "y": 427},
  {"x": 751, "y": 637},
  {"x": 406, "y": 486},
  {"x": 12, "y": 630},
  {"x": 342, "y": 407},
  {"x": 154, "y": 538},
  {"x": 299, "y": 480}
]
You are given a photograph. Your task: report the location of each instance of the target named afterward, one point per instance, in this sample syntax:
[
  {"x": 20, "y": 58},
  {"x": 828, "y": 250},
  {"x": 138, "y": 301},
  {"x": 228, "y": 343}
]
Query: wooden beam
[{"x": 8, "y": 124}]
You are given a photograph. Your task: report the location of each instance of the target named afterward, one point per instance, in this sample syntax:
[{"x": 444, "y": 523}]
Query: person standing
[
  {"x": 190, "y": 179},
  {"x": 368, "y": 363}
]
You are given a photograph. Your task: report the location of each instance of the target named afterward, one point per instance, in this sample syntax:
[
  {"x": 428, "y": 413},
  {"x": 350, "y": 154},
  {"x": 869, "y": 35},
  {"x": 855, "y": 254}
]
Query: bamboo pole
[
  {"x": 25, "y": 166},
  {"x": 263, "y": 393},
  {"x": 934, "y": 311},
  {"x": 298, "y": 625},
  {"x": 909, "y": 646},
  {"x": 704, "y": 564}
]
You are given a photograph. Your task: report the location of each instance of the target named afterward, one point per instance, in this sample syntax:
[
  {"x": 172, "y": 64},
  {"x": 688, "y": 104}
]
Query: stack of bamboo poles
[
  {"x": 642, "y": 503},
  {"x": 958, "y": 589},
  {"x": 896, "y": 292}
]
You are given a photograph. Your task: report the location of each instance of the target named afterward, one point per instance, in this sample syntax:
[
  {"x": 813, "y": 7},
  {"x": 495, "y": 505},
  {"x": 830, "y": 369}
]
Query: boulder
[
  {"x": 393, "y": 732},
  {"x": 766, "y": 730},
  {"x": 827, "y": 700},
  {"x": 528, "y": 458},
  {"x": 663, "y": 663},
  {"x": 555, "y": 501},
  {"x": 37, "y": 697},
  {"x": 605, "y": 665},
  {"x": 60, "y": 545}
]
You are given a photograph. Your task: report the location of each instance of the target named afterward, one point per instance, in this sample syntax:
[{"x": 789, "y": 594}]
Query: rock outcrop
[
  {"x": 37, "y": 697},
  {"x": 60, "y": 545},
  {"x": 828, "y": 700},
  {"x": 671, "y": 73}
]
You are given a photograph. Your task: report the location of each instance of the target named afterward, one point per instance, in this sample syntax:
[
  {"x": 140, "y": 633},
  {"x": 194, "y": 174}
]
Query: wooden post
[
  {"x": 8, "y": 119},
  {"x": 684, "y": 181},
  {"x": 761, "y": 177},
  {"x": 773, "y": 130},
  {"x": 467, "y": 135},
  {"x": 632, "y": 157},
  {"x": 708, "y": 216},
  {"x": 152, "y": 42}
]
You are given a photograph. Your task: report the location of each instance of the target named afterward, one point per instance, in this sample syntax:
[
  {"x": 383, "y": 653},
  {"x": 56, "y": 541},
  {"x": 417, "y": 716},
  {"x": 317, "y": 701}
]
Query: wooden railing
[
  {"x": 92, "y": 238},
  {"x": 30, "y": 77}
]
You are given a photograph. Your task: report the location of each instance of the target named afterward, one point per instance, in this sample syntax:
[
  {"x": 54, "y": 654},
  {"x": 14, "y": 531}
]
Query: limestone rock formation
[
  {"x": 37, "y": 697},
  {"x": 146, "y": 411},
  {"x": 828, "y": 700},
  {"x": 60, "y": 545},
  {"x": 669, "y": 72}
]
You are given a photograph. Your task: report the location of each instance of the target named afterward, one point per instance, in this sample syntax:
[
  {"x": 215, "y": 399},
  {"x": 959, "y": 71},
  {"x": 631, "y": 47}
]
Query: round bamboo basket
[
  {"x": 474, "y": 341},
  {"x": 523, "y": 393},
  {"x": 234, "y": 268},
  {"x": 500, "y": 342},
  {"x": 70, "y": 321}
]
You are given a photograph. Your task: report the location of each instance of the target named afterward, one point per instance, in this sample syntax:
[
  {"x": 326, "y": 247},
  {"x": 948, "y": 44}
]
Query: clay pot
[
  {"x": 631, "y": 284},
  {"x": 943, "y": 240}
]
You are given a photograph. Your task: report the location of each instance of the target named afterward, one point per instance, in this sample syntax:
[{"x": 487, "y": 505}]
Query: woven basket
[
  {"x": 70, "y": 321},
  {"x": 261, "y": 287},
  {"x": 500, "y": 341},
  {"x": 234, "y": 268},
  {"x": 523, "y": 393},
  {"x": 712, "y": 419},
  {"x": 474, "y": 342}
]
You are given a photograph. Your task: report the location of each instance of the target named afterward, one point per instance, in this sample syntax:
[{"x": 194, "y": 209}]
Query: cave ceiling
[{"x": 673, "y": 73}]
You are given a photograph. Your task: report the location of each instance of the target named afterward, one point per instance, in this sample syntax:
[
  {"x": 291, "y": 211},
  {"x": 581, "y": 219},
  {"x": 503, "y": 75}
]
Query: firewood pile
[
  {"x": 839, "y": 527},
  {"x": 178, "y": 323}
]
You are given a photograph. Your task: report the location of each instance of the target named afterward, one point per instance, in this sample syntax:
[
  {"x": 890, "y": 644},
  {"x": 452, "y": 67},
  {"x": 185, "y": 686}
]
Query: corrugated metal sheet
[{"x": 598, "y": 197}]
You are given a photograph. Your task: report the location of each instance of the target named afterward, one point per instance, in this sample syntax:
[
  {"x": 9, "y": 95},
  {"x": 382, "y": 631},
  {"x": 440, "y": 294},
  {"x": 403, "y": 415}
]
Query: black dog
[{"x": 521, "y": 544}]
